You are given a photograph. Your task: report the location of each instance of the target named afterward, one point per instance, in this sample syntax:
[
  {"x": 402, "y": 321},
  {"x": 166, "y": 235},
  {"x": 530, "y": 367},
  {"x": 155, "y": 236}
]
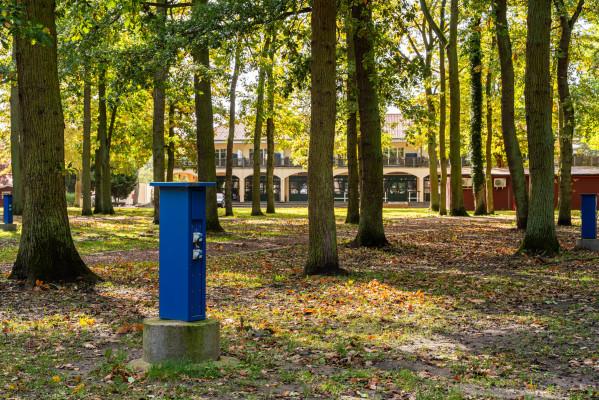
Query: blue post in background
[
  {"x": 588, "y": 216},
  {"x": 182, "y": 275},
  {"x": 7, "y": 208}
]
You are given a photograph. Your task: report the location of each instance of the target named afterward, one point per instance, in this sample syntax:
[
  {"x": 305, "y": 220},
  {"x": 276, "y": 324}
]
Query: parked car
[{"x": 220, "y": 200}]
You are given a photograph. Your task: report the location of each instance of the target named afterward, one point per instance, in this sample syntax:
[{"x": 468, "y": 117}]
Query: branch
[
  {"x": 167, "y": 5},
  {"x": 576, "y": 13},
  {"x": 432, "y": 23}
]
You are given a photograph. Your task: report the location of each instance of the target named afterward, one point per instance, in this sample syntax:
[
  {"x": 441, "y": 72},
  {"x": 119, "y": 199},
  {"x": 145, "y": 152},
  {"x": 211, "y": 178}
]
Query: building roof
[{"x": 394, "y": 125}]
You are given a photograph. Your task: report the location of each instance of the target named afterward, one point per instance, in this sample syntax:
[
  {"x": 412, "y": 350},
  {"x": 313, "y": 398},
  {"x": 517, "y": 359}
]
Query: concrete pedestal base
[
  {"x": 591, "y": 244},
  {"x": 8, "y": 227},
  {"x": 194, "y": 342}
]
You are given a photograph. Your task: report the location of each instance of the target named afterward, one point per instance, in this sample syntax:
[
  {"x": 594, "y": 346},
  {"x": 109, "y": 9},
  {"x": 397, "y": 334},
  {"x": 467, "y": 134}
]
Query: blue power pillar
[
  {"x": 588, "y": 216},
  {"x": 7, "y": 208},
  {"x": 182, "y": 276}
]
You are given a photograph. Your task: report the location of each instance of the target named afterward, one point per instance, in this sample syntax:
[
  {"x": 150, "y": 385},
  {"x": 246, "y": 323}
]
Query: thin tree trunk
[
  {"x": 540, "y": 231},
  {"x": 170, "y": 167},
  {"x": 270, "y": 129},
  {"x": 231, "y": 138},
  {"x": 371, "y": 232},
  {"x": 106, "y": 177},
  {"x": 77, "y": 202},
  {"x": 353, "y": 177},
  {"x": 322, "y": 249},
  {"x": 101, "y": 139},
  {"x": 508, "y": 127},
  {"x": 456, "y": 206},
  {"x": 46, "y": 250},
  {"x": 86, "y": 156},
  {"x": 205, "y": 132},
  {"x": 16, "y": 143},
  {"x": 159, "y": 97},
  {"x": 442, "y": 119},
  {"x": 258, "y": 133},
  {"x": 567, "y": 107},
  {"x": 489, "y": 144},
  {"x": 476, "y": 118}
]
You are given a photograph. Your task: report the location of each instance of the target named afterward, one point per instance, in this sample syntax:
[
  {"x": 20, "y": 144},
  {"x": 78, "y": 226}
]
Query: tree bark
[
  {"x": 270, "y": 128},
  {"x": 77, "y": 202},
  {"x": 489, "y": 144},
  {"x": 508, "y": 127},
  {"x": 46, "y": 250},
  {"x": 371, "y": 232},
  {"x": 159, "y": 97},
  {"x": 106, "y": 177},
  {"x": 170, "y": 166},
  {"x": 16, "y": 143},
  {"x": 231, "y": 138},
  {"x": 322, "y": 249},
  {"x": 86, "y": 208},
  {"x": 476, "y": 118},
  {"x": 566, "y": 105},
  {"x": 442, "y": 119},
  {"x": 258, "y": 133},
  {"x": 353, "y": 176},
  {"x": 101, "y": 139},
  {"x": 205, "y": 132},
  {"x": 540, "y": 234}
]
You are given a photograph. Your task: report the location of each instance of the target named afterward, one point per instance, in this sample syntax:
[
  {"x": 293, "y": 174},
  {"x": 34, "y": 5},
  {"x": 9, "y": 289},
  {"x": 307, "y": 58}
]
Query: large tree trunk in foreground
[
  {"x": 205, "y": 132},
  {"x": 489, "y": 144},
  {"x": 101, "y": 139},
  {"x": 508, "y": 127},
  {"x": 322, "y": 248},
  {"x": 353, "y": 176},
  {"x": 231, "y": 138},
  {"x": 16, "y": 143},
  {"x": 86, "y": 208},
  {"x": 540, "y": 231},
  {"x": 567, "y": 107},
  {"x": 371, "y": 232},
  {"x": 270, "y": 129},
  {"x": 159, "y": 97},
  {"x": 46, "y": 250},
  {"x": 476, "y": 118},
  {"x": 258, "y": 133}
]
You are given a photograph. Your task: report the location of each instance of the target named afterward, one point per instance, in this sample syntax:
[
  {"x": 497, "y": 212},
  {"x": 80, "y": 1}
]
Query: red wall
[{"x": 503, "y": 199}]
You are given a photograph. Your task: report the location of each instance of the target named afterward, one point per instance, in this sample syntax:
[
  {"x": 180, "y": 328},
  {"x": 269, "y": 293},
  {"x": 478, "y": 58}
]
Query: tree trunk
[
  {"x": 258, "y": 133},
  {"x": 431, "y": 117},
  {"x": 16, "y": 143},
  {"x": 476, "y": 118},
  {"x": 540, "y": 231},
  {"x": 86, "y": 208},
  {"x": 371, "y": 232},
  {"x": 353, "y": 177},
  {"x": 205, "y": 132},
  {"x": 170, "y": 166},
  {"x": 159, "y": 97},
  {"x": 442, "y": 119},
  {"x": 322, "y": 249},
  {"x": 270, "y": 129},
  {"x": 77, "y": 202},
  {"x": 46, "y": 250},
  {"x": 101, "y": 139},
  {"x": 566, "y": 105},
  {"x": 488, "y": 148},
  {"x": 231, "y": 138},
  {"x": 508, "y": 127},
  {"x": 456, "y": 203},
  {"x": 106, "y": 177}
]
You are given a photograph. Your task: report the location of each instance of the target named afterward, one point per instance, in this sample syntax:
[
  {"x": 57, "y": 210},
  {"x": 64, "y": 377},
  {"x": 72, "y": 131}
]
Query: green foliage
[{"x": 123, "y": 184}]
